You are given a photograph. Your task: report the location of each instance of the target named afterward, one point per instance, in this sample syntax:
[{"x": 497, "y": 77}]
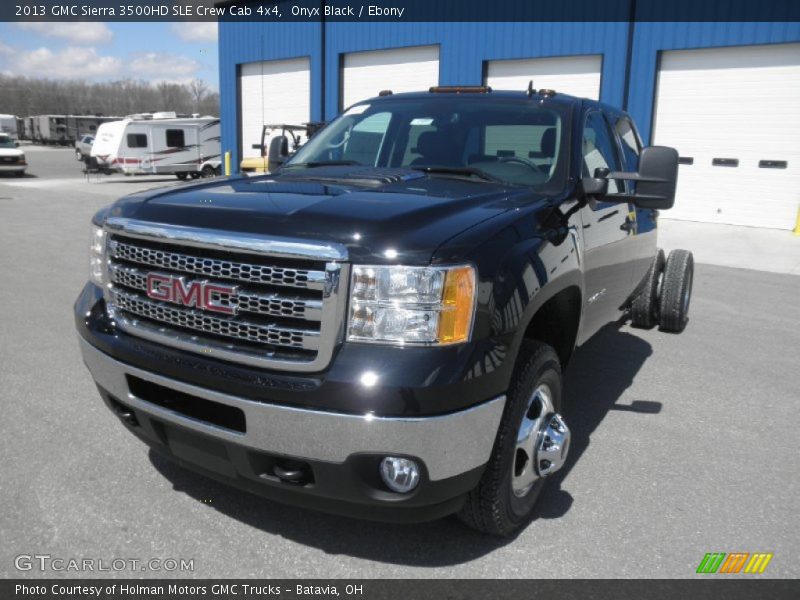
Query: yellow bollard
[
  {"x": 228, "y": 163},
  {"x": 797, "y": 222}
]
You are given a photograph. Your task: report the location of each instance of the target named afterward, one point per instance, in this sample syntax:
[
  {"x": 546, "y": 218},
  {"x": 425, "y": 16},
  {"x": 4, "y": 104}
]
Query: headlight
[
  {"x": 411, "y": 305},
  {"x": 97, "y": 256}
]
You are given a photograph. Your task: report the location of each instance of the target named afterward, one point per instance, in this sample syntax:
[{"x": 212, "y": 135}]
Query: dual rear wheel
[{"x": 666, "y": 293}]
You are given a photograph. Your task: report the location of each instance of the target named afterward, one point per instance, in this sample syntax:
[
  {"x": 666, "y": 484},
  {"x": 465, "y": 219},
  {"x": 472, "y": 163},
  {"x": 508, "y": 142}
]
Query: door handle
[{"x": 628, "y": 225}]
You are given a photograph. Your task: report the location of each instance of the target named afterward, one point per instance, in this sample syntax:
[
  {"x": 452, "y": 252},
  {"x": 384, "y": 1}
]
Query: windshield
[
  {"x": 513, "y": 141},
  {"x": 7, "y": 142}
]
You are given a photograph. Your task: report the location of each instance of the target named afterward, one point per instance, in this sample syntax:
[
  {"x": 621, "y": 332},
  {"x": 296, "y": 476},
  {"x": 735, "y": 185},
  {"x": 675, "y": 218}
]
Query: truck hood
[
  {"x": 11, "y": 152},
  {"x": 379, "y": 215}
]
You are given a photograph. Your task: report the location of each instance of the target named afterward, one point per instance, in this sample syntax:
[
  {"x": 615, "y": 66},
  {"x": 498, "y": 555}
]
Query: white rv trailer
[
  {"x": 28, "y": 127},
  {"x": 80, "y": 125},
  {"x": 50, "y": 129},
  {"x": 8, "y": 124},
  {"x": 182, "y": 147}
]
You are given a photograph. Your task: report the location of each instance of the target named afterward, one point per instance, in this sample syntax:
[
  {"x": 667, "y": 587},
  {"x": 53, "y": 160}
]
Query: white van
[
  {"x": 8, "y": 125},
  {"x": 182, "y": 147}
]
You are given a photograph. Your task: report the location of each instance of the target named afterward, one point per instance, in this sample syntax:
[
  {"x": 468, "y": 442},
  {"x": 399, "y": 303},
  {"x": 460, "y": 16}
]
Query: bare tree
[
  {"x": 199, "y": 90},
  {"x": 23, "y": 96}
]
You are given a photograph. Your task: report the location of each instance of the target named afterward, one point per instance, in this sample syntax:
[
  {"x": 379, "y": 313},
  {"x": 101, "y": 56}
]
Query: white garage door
[
  {"x": 574, "y": 75},
  {"x": 733, "y": 113},
  {"x": 273, "y": 92},
  {"x": 412, "y": 69}
]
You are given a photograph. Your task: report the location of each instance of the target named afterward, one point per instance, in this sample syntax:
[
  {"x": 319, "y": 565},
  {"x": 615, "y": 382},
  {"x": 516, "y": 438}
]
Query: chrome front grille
[
  {"x": 278, "y": 305},
  {"x": 197, "y": 320},
  {"x": 185, "y": 263},
  {"x": 283, "y": 300}
]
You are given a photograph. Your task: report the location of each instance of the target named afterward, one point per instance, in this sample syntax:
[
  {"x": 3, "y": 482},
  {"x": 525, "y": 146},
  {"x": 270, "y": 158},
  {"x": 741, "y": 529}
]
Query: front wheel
[
  {"x": 207, "y": 171},
  {"x": 532, "y": 442},
  {"x": 181, "y": 176}
]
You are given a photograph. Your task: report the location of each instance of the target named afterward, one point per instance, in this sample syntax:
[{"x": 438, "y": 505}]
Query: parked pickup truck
[{"x": 380, "y": 328}]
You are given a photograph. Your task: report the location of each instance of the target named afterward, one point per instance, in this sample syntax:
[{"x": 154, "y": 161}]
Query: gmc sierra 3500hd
[{"x": 379, "y": 328}]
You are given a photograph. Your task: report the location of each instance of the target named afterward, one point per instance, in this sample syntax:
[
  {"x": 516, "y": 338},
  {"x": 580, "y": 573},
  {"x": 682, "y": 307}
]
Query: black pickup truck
[{"x": 379, "y": 328}]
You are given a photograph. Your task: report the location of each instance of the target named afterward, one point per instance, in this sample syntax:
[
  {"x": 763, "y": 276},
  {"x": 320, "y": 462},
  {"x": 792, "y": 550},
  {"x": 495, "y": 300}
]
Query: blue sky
[{"x": 106, "y": 51}]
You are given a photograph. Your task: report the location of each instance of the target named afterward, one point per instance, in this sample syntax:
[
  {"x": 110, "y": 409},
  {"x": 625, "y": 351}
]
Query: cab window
[
  {"x": 631, "y": 144},
  {"x": 598, "y": 150}
]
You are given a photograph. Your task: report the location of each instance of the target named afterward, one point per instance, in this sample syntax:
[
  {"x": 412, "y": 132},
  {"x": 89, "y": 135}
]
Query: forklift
[{"x": 282, "y": 135}]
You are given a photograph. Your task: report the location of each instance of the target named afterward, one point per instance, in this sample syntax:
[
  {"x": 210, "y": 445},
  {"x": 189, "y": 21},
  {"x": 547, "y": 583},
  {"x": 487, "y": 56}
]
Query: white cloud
[
  {"x": 83, "y": 33},
  {"x": 75, "y": 62},
  {"x": 195, "y": 31},
  {"x": 160, "y": 66},
  {"x": 68, "y": 63}
]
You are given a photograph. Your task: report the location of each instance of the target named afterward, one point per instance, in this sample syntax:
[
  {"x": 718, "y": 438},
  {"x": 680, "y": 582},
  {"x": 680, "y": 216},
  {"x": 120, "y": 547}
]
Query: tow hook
[{"x": 553, "y": 447}]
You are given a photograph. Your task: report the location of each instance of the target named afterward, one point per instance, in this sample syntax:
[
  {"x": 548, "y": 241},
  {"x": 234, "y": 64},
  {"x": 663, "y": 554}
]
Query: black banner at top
[{"x": 400, "y": 11}]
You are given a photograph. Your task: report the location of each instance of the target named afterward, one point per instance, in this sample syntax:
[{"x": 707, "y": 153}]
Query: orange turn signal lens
[{"x": 458, "y": 300}]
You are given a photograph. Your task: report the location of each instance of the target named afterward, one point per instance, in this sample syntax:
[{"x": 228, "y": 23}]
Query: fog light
[{"x": 399, "y": 474}]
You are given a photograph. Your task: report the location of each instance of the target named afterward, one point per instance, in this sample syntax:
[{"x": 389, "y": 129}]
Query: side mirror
[
  {"x": 278, "y": 152},
  {"x": 656, "y": 180}
]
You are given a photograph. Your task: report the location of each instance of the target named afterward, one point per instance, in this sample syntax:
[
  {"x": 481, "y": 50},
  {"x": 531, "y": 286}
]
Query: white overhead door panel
[
  {"x": 737, "y": 107},
  {"x": 573, "y": 75},
  {"x": 411, "y": 69},
  {"x": 273, "y": 92}
]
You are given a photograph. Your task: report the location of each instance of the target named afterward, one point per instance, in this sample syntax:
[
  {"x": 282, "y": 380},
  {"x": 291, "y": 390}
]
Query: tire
[
  {"x": 644, "y": 308},
  {"x": 207, "y": 171},
  {"x": 676, "y": 291},
  {"x": 181, "y": 176},
  {"x": 19, "y": 174},
  {"x": 493, "y": 506},
  {"x": 194, "y": 175},
  {"x": 78, "y": 156},
  {"x": 218, "y": 171}
]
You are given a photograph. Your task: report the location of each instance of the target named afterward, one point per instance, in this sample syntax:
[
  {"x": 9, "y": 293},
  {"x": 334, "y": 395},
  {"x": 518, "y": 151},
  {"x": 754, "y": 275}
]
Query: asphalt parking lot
[{"x": 682, "y": 444}]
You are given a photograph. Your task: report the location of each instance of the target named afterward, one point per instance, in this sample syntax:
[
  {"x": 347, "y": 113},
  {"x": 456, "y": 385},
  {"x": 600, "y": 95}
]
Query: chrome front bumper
[{"x": 448, "y": 445}]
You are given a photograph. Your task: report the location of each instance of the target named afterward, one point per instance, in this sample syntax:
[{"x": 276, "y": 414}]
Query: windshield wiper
[
  {"x": 481, "y": 174},
  {"x": 324, "y": 163}
]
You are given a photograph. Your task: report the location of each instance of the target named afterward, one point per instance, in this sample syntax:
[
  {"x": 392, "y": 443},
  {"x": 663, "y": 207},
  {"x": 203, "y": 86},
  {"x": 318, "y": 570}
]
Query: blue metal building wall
[
  {"x": 255, "y": 41},
  {"x": 463, "y": 48},
  {"x": 652, "y": 38}
]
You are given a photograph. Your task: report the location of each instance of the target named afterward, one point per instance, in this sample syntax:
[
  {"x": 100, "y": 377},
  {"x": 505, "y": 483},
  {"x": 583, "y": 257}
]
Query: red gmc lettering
[
  {"x": 159, "y": 287},
  {"x": 187, "y": 294},
  {"x": 193, "y": 294}
]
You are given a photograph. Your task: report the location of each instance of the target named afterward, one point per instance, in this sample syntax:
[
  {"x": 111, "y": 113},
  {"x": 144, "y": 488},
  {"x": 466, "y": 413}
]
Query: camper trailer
[
  {"x": 80, "y": 125},
  {"x": 181, "y": 147},
  {"x": 50, "y": 129},
  {"x": 28, "y": 123},
  {"x": 8, "y": 124}
]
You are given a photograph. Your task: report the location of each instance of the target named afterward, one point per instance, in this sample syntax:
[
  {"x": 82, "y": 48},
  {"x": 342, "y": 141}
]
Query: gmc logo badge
[{"x": 199, "y": 294}]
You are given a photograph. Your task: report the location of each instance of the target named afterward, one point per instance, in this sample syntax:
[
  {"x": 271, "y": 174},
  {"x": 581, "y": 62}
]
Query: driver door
[{"x": 607, "y": 231}]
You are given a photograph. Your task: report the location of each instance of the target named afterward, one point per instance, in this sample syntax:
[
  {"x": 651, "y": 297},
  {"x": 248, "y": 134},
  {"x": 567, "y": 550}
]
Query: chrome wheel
[{"x": 542, "y": 442}]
